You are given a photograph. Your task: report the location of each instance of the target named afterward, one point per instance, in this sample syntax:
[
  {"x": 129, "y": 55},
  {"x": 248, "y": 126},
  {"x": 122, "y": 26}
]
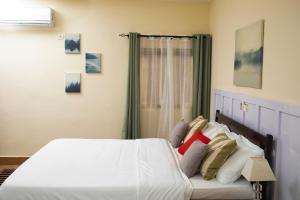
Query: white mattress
[
  {"x": 212, "y": 189},
  {"x": 69, "y": 169}
]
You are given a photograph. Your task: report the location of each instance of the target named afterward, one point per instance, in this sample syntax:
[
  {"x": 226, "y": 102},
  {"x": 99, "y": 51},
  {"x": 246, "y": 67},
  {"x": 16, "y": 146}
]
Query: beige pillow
[
  {"x": 198, "y": 126},
  {"x": 219, "y": 149},
  {"x": 192, "y": 123}
]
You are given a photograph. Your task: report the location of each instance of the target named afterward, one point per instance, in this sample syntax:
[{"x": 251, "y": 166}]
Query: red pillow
[{"x": 197, "y": 136}]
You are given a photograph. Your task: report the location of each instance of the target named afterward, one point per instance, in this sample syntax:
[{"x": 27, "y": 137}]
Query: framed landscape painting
[
  {"x": 72, "y": 43},
  {"x": 73, "y": 82},
  {"x": 248, "y": 60}
]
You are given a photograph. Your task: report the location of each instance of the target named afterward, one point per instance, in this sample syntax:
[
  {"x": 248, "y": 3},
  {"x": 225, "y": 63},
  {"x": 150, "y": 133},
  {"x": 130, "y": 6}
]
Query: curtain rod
[{"x": 171, "y": 36}]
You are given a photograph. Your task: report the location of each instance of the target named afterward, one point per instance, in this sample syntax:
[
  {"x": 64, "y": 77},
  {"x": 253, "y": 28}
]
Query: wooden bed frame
[{"x": 263, "y": 141}]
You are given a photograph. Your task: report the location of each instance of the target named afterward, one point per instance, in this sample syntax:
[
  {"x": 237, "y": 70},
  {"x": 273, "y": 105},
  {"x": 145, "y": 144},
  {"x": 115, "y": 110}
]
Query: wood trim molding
[{"x": 4, "y": 160}]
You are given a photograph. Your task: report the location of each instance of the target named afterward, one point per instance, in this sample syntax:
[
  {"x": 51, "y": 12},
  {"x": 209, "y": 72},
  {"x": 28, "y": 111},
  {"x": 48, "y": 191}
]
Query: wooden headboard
[{"x": 263, "y": 141}]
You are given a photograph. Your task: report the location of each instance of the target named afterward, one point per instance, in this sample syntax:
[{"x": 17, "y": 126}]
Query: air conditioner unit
[{"x": 27, "y": 16}]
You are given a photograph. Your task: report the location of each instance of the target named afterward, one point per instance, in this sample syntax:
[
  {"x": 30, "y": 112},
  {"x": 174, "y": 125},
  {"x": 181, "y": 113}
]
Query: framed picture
[
  {"x": 248, "y": 60},
  {"x": 92, "y": 63},
  {"x": 72, "y": 43},
  {"x": 73, "y": 82}
]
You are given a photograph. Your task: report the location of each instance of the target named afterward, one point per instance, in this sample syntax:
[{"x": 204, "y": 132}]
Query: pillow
[
  {"x": 197, "y": 136},
  {"x": 198, "y": 126},
  {"x": 219, "y": 149},
  {"x": 195, "y": 121},
  {"x": 214, "y": 128},
  {"x": 232, "y": 168},
  {"x": 178, "y": 133},
  {"x": 191, "y": 160},
  {"x": 232, "y": 135},
  {"x": 252, "y": 145}
]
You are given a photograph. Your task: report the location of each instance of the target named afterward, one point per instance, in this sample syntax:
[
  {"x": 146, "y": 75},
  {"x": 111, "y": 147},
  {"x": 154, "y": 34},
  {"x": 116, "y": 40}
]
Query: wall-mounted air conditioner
[{"x": 26, "y": 16}]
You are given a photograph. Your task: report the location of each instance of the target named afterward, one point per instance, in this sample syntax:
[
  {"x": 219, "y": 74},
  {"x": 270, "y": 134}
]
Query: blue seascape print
[
  {"x": 252, "y": 58},
  {"x": 248, "y": 61},
  {"x": 92, "y": 63}
]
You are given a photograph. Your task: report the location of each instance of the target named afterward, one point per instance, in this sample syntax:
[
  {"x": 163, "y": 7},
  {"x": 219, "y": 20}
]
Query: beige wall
[
  {"x": 34, "y": 108},
  {"x": 281, "y": 67}
]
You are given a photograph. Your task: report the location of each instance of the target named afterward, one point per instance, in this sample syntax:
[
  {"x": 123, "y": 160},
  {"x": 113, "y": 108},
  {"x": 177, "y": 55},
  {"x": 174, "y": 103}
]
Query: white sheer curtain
[{"x": 166, "y": 84}]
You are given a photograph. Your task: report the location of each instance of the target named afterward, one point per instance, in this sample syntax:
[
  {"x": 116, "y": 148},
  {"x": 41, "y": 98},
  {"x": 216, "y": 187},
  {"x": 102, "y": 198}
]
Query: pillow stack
[{"x": 211, "y": 149}]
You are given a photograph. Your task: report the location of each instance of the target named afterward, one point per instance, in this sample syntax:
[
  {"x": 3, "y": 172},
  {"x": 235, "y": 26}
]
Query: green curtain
[
  {"x": 131, "y": 128},
  {"x": 201, "y": 75}
]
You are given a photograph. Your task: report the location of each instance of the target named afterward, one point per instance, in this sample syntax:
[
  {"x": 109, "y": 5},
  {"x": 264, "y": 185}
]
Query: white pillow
[
  {"x": 252, "y": 146},
  {"x": 232, "y": 168},
  {"x": 232, "y": 135},
  {"x": 214, "y": 128}
]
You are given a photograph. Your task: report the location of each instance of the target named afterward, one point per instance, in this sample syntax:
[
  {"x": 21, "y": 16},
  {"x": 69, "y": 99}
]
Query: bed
[{"x": 98, "y": 169}]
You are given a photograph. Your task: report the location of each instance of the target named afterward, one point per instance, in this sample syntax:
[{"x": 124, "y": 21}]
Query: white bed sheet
[
  {"x": 69, "y": 169},
  {"x": 212, "y": 189}
]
